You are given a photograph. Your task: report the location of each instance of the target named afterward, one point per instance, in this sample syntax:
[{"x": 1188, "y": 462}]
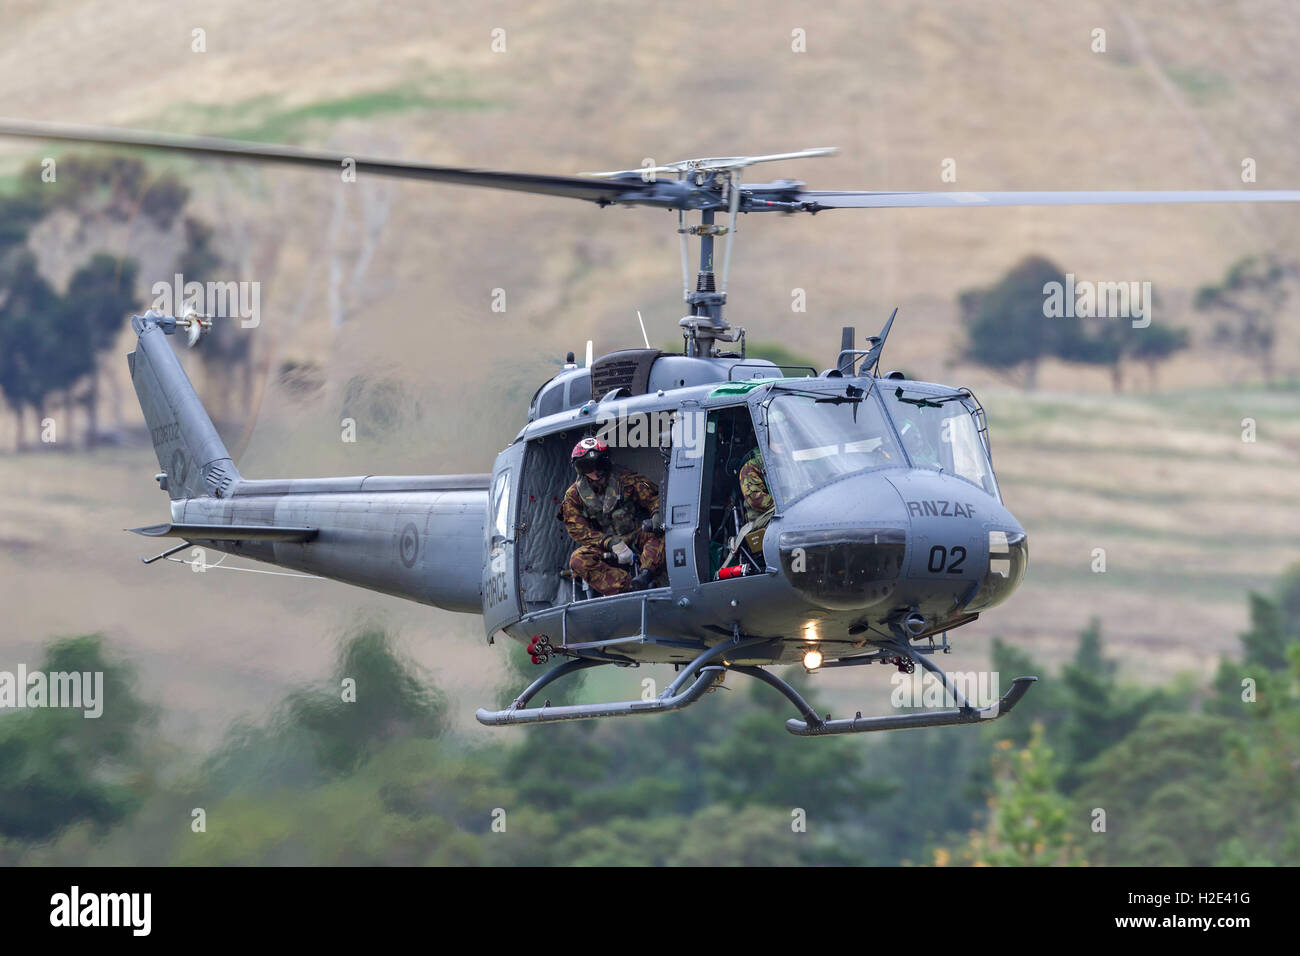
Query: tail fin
[{"x": 190, "y": 452}]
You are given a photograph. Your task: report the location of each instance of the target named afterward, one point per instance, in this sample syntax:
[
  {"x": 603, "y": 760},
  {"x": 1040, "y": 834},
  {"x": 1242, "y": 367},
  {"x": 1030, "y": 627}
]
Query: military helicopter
[{"x": 887, "y": 529}]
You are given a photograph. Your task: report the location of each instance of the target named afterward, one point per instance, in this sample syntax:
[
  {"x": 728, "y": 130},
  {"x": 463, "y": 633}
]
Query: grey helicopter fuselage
[
  {"x": 846, "y": 556},
  {"x": 864, "y": 539}
]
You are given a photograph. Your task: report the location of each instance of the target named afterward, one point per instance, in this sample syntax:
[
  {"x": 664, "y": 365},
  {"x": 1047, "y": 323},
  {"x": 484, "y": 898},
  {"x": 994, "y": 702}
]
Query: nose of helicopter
[{"x": 922, "y": 540}]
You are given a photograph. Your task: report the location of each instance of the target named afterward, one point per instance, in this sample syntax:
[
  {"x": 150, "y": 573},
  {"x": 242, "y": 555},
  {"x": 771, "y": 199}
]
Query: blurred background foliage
[
  {"x": 65, "y": 299},
  {"x": 361, "y": 769}
]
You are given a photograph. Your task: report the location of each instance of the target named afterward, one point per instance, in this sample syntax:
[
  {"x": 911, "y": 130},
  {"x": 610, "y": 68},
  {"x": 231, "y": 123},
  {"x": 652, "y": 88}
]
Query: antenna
[
  {"x": 878, "y": 345},
  {"x": 643, "y": 335},
  {"x": 870, "y": 356},
  {"x": 848, "y": 339}
]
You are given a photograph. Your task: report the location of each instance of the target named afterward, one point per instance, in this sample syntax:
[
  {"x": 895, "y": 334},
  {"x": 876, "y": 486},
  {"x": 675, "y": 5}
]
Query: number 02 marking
[{"x": 941, "y": 557}]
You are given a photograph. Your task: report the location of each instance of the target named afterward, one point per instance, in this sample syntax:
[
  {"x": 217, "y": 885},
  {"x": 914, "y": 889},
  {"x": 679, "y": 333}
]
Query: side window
[
  {"x": 501, "y": 510},
  {"x": 579, "y": 391},
  {"x": 552, "y": 401}
]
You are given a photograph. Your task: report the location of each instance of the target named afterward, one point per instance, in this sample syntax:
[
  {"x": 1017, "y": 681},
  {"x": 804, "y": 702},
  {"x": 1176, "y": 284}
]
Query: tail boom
[
  {"x": 418, "y": 537},
  {"x": 423, "y": 543}
]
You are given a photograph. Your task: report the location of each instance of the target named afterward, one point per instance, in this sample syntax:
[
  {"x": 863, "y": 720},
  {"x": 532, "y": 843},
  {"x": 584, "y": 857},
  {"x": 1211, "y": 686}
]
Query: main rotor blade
[
  {"x": 630, "y": 189},
  {"x": 568, "y": 186},
  {"x": 815, "y": 199}
]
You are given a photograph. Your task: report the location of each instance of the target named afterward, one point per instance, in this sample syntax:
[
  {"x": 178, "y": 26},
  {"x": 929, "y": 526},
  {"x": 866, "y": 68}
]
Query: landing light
[{"x": 812, "y": 659}]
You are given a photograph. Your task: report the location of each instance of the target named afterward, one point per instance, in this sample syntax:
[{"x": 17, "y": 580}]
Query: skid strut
[{"x": 705, "y": 670}]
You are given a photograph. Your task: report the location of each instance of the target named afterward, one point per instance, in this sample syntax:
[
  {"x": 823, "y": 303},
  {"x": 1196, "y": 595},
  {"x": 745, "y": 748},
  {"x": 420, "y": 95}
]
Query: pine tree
[{"x": 1029, "y": 821}]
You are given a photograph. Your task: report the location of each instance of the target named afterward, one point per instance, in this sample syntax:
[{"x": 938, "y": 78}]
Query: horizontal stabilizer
[{"x": 226, "y": 532}]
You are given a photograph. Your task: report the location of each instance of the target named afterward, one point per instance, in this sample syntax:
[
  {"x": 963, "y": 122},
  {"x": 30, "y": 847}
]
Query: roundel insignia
[
  {"x": 179, "y": 472},
  {"x": 408, "y": 545}
]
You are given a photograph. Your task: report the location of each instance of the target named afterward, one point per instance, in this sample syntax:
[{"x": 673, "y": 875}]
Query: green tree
[
  {"x": 1266, "y": 649},
  {"x": 1246, "y": 304},
  {"x": 93, "y": 311},
  {"x": 1170, "y": 793},
  {"x": 1006, "y": 329},
  {"x": 1009, "y": 328},
  {"x": 60, "y": 766},
  {"x": 1112, "y": 342},
  {"x": 756, "y": 761},
  {"x": 374, "y": 696},
  {"x": 18, "y": 213},
  {"x": 1029, "y": 822},
  {"x": 1156, "y": 344},
  {"x": 112, "y": 187},
  {"x": 36, "y": 355},
  {"x": 417, "y": 802},
  {"x": 1100, "y": 711},
  {"x": 50, "y": 343},
  {"x": 1102, "y": 341},
  {"x": 1047, "y": 703},
  {"x": 940, "y": 780}
]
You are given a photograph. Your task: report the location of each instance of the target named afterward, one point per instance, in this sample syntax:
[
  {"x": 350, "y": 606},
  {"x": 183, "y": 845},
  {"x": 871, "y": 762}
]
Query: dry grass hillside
[{"x": 1190, "y": 516}]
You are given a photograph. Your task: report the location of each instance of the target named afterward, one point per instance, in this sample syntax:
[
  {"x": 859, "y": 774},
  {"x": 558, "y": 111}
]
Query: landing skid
[
  {"x": 702, "y": 669},
  {"x": 701, "y": 674}
]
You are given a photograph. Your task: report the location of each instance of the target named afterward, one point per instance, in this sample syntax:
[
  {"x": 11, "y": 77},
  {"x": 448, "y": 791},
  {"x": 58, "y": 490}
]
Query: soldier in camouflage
[
  {"x": 609, "y": 511},
  {"x": 753, "y": 486},
  {"x": 757, "y": 497}
]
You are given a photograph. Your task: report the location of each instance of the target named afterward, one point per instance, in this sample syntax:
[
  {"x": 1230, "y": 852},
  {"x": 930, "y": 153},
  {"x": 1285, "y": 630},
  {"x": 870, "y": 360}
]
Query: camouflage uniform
[
  {"x": 753, "y": 485},
  {"x": 596, "y": 518}
]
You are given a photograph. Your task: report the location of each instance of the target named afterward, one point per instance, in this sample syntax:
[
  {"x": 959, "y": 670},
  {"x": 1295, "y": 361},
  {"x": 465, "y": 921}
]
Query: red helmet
[{"x": 590, "y": 454}]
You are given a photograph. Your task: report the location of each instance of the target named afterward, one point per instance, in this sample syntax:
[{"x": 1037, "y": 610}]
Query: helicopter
[{"x": 887, "y": 529}]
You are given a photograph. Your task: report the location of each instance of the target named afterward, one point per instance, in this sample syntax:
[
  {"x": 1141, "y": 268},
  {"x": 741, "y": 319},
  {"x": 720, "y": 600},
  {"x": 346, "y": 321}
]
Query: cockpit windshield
[
  {"x": 812, "y": 440},
  {"x": 939, "y": 431}
]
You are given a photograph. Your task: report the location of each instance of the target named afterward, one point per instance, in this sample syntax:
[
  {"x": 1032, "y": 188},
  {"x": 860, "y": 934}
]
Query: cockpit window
[
  {"x": 940, "y": 432},
  {"x": 812, "y": 441}
]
